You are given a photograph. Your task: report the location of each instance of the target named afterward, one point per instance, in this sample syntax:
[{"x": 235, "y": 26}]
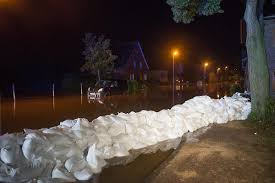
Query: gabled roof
[{"x": 126, "y": 50}]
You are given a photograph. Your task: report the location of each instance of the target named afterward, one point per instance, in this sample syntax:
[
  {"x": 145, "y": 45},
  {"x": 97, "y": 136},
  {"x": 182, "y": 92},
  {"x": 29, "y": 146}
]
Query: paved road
[{"x": 225, "y": 153}]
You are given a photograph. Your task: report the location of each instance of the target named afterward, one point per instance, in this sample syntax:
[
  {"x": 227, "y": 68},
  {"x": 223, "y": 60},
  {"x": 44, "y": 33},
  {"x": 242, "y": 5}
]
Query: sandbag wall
[{"x": 77, "y": 149}]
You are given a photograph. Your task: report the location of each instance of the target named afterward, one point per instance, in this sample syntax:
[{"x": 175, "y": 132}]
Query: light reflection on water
[{"x": 43, "y": 112}]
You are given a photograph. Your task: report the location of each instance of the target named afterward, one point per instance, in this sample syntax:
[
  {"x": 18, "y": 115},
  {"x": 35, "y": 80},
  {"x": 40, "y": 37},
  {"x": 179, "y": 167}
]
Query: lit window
[{"x": 145, "y": 76}]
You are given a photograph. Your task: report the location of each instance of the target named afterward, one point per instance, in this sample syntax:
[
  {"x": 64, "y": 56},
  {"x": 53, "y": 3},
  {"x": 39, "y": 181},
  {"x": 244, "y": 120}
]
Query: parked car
[{"x": 107, "y": 88}]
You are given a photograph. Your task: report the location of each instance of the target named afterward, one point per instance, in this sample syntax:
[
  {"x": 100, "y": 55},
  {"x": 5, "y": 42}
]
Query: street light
[
  {"x": 226, "y": 67},
  {"x": 204, "y": 71},
  {"x": 218, "y": 71},
  {"x": 175, "y": 53}
]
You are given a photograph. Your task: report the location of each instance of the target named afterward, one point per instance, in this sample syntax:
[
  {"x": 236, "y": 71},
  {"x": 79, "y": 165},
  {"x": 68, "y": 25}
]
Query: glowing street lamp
[
  {"x": 175, "y": 53},
  {"x": 206, "y": 64},
  {"x": 226, "y": 67},
  {"x": 218, "y": 69}
]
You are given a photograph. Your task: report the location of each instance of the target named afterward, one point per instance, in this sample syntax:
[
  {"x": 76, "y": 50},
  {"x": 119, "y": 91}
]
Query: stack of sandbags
[{"x": 77, "y": 149}]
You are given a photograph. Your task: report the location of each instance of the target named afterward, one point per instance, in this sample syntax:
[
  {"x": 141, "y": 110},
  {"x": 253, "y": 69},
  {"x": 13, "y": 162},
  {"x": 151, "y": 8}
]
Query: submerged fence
[
  {"x": 14, "y": 90},
  {"x": 20, "y": 89}
]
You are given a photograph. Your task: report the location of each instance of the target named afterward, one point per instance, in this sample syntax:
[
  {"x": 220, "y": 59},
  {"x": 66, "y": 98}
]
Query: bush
[
  {"x": 236, "y": 87},
  {"x": 132, "y": 86}
]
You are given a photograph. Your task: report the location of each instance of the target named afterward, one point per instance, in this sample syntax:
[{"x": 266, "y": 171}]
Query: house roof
[{"x": 128, "y": 50}]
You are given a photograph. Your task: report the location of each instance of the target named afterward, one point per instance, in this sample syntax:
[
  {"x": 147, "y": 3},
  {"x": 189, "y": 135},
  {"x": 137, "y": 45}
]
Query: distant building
[
  {"x": 131, "y": 63},
  {"x": 269, "y": 32},
  {"x": 158, "y": 76}
]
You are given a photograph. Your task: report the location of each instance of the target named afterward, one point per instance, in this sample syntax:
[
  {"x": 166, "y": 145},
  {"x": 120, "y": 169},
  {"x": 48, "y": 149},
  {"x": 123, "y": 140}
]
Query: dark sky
[{"x": 44, "y": 36}]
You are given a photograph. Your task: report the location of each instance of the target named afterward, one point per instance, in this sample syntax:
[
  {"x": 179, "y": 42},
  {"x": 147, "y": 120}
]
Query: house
[
  {"x": 131, "y": 63},
  {"x": 269, "y": 32},
  {"x": 159, "y": 76}
]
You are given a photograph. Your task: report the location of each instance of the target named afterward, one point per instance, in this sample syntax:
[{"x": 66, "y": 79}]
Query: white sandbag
[
  {"x": 57, "y": 173},
  {"x": 83, "y": 175},
  {"x": 67, "y": 124},
  {"x": 96, "y": 164},
  {"x": 74, "y": 164}
]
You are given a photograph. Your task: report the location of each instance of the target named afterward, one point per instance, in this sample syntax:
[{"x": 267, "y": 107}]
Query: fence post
[
  {"x": 81, "y": 89},
  {"x": 53, "y": 89},
  {"x": 13, "y": 91},
  {"x": 14, "y": 99},
  {"x": 53, "y": 97}
]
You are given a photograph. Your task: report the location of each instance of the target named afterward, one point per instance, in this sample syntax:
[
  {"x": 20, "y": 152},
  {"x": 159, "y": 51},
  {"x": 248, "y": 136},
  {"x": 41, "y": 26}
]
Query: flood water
[{"x": 44, "y": 112}]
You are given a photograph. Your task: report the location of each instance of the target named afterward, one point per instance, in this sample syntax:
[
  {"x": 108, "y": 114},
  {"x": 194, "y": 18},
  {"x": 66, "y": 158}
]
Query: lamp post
[
  {"x": 218, "y": 71},
  {"x": 175, "y": 53},
  {"x": 226, "y": 73},
  {"x": 205, "y": 65},
  {"x": 204, "y": 71}
]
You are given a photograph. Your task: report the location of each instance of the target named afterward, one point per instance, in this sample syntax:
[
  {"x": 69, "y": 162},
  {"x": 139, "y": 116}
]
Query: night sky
[{"x": 41, "y": 39}]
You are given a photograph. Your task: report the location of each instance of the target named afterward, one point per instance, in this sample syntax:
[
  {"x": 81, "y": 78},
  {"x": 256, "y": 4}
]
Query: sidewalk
[{"x": 225, "y": 153}]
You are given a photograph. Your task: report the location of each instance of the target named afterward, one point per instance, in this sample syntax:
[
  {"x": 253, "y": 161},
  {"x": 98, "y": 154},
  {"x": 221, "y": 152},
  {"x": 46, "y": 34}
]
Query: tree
[
  {"x": 257, "y": 59},
  {"x": 187, "y": 10},
  {"x": 99, "y": 59}
]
